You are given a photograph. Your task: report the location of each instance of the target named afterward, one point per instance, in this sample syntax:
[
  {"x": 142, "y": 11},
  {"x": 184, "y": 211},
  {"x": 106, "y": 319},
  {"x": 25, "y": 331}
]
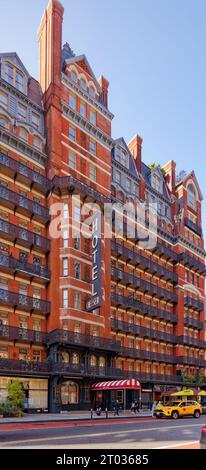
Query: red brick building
[{"x": 56, "y": 154}]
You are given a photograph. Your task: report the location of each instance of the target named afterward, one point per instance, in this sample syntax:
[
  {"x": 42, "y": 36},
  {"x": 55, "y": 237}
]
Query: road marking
[
  {"x": 179, "y": 445},
  {"x": 108, "y": 433}
]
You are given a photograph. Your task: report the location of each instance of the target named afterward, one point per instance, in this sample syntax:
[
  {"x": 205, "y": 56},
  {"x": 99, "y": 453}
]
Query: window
[
  {"x": 65, "y": 239},
  {"x": 77, "y": 213},
  {"x": 77, "y": 268},
  {"x": 23, "y": 134},
  {"x": 70, "y": 391},
  {"x": 35, "y": 120},
  {"x": 72, "y": 102},
  {"x": 72, "y": 134},
  {"x": 93, "y": 361},
  {"x": 9, "y": 74},
  {"x": 83, "y": 109},
  {"x": 21, "y": 111},
  {"x": 72, "y": 160},
  {"x": 118, "y": 177},
  {"x": 92, "y": 147},
  {"x": 65, "y": 298},
  {"x": 19, "y": 81},
  {"x": 92, "y": 172},
  {"x": 136, "y": 189},
  {"x": 4, "y": 352},
  {"x": 156, "y": 183},
  {"x": 37, "y": 142},
  {"x": 3, "y": 284},
  {"x": 65, "y": 211},
  {"x": 128, "y": 185},
  {"x": 73, "y": 76},
  {"x": 65, "y": 267},
  {"x": 82, "y": 84},
  {"x": 76, "y": 241},
  {"x": 191, "y": 196},
  {"x": 77, "y": 300},
  {"x": 4, "y": 122},
  {"x": 197, "y": 281},
  {"x": 92, "y": 91},
  {"x": 187, "y": 276},
  {"x": 3, "y": 319},
  {"x": 14, "y": 77},
  {"x": 3, "y": 99},
  {"x": 92, "y": 117}
]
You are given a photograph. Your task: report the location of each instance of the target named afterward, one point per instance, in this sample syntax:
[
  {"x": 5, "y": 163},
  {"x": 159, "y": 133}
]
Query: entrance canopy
[{"x": 131, "y": 384}]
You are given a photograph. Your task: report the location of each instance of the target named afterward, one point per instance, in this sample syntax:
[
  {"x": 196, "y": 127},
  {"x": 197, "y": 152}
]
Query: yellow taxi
[{"x": 178, "y": 409}]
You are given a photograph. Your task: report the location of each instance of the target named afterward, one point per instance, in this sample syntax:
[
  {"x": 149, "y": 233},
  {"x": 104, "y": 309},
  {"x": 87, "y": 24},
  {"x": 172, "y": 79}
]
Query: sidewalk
[{"x": 73, "y": 416}]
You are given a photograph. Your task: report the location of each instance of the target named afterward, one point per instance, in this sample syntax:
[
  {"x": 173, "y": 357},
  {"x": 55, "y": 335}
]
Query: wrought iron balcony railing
[
  {"x": 145, "y": 286},
  {"x": 142, "y": 331},
  {"x": 24, "y": 367},
  {"x": 150, "y": 377},
  {"x": 194, "y": 227},
  {"x": 193, "y": 361},
  {"x": 24, "y": 302},
  {"x": 16, "y": 233},
  {"x": 79, "y": 339},
  {"x": 134, "y": 304},
  {"x": 12, "y": 199},
  {"x": 16, "y": 265},
  {"x": 193, "y": 263},
  {"x": 147, "y": 264},
  {"x": 13, "y": 333},
  {"x": 71, "y": 183},
  {"x": 82, "y": 369},
  {"x": 147, "y": 355},
  {"x": 192, "y": 341},
  {"x": 195, "y": 304},
  {"x": 189, "y": 321}
]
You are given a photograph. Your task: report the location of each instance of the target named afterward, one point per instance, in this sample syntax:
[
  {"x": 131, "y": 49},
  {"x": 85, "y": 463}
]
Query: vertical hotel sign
[{"x": 95, "y": 301}]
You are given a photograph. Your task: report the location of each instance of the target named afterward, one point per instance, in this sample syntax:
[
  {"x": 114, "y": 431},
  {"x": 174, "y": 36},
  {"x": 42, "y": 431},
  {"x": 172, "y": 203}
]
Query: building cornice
[
  {"x": 9, "y": 88},
  {"x": 21, "y": 146},
  {"x": 86, "y": 126},
  {"x": 77, "y": 89},
  {"x": 125, "y": 170}
]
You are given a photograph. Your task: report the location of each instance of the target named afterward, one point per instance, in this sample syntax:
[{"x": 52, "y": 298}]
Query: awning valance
[{"x": 117, "y": 385}]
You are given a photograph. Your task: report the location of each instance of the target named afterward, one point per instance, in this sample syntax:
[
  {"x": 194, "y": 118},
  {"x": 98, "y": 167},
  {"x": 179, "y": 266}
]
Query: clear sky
[{"x": 153, "y": 52}]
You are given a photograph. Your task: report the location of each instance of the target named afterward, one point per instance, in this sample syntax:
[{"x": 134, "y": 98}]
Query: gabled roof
[
  {"x": 14, "y": 58},
  {"x": 87, "y": 69},
  {"x": 132, "y": 166},
  {"x": 187, "y": 176},
  {"x": 146, "y": 173}
]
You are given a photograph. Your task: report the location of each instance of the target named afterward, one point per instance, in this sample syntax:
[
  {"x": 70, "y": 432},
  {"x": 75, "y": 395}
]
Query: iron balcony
[
  {"x": 193, "y": 361},
  {"x": 192, "y": 341},
  {"x": 142, "y": 331},
  {"x": 194, "y": 227},
  {"x": 193, "y": 263},
  {"x": 137, "y": 259},
  {"x": 195, "y": 304},
  {"x": 150, "y": 377},
  {"x": 24, "y": 174},
  {"x": 129, "y": 279},
  {"x": 65, "y": 368},
  {"x": 189, "y": 321},
  {"x": 8, "y": 263},
  {"x": 23, "y": 367},
  {"x": 71, "y": 184},
  {"x": 79, "y": 339},
  {"x": 147, "y": 355},
  {"x": 13, "y": 333},
  {"x": 134, "y": 304},
  {"x": 24, "y": 302},
  {"x": 23, "y": 236},
  {"x": 14, "y": 200}
]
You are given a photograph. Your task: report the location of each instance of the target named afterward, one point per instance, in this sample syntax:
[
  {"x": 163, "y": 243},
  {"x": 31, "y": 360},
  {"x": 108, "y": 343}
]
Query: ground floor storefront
[{"x": 35, "y": 392}]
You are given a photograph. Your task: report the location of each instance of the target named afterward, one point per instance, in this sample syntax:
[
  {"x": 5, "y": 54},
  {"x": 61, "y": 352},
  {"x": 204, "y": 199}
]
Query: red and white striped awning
[{"x": 117, "y": 384}]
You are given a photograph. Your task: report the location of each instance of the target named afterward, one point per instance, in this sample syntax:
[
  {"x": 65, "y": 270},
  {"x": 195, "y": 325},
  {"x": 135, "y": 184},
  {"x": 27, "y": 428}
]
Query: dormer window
[
  {"x": 35, "y": 120},
  {"x": 121, "y": 157},
  {"x": 156, "y": 183},
  {"x": 73, "y": 76},
  {"x": 14, "y": 77},
  {"x": 37, "y": 142},
  {"x": 191, "y": 196}
]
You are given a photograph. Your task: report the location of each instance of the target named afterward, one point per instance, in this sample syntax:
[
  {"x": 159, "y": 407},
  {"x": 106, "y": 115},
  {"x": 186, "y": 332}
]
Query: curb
[{"x": 65, "y": 420}]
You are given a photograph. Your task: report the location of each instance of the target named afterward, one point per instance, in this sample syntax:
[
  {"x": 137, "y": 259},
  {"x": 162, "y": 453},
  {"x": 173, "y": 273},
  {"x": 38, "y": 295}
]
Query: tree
[{"x": 15, "y": 393}]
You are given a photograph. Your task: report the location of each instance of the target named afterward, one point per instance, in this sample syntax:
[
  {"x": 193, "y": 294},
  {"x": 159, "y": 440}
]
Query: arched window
[
  {"x": 37, "y": 142},
  {"x": 92, "y": 91},
  {"x": 65, "y": 356},
  {"x": 4, "y": 122},
  {"x": 75, "y": 358},
  {"x": 69, "y": 393},
  {"x": 102, "y": 361},
  {"x": 82, "y": 84},
  {"x": 93, "y": 361},
  {"x": 23, "y": 134},
  {"x": 191, "y": 196}
]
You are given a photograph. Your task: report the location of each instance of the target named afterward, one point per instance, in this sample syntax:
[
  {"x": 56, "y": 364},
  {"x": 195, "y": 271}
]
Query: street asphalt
[{"x": 145, "y": 433}]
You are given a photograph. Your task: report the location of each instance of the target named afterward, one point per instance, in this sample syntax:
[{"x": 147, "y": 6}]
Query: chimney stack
[
  {"x": 104, "y": 84},
  {"x": 135, "y": 147}
]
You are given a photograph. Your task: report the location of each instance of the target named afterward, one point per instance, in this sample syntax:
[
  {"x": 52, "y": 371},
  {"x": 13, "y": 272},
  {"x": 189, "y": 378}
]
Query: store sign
[{"x": 95, "y": 301}]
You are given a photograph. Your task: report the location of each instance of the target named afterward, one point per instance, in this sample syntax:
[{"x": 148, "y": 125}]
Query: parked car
[{"x": 178, "y": 409}]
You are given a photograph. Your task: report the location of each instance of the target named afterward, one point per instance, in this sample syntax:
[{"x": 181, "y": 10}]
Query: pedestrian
[
  {"x": 136, "y": 406},
  {"x": 116, "y": 408},
  {"x": 133, "y": 407}
]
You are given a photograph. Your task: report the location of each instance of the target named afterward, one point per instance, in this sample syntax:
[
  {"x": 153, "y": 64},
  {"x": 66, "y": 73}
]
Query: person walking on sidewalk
[
  {"x": 116, "y": 408},
  {"x": 136, "y": 406}
]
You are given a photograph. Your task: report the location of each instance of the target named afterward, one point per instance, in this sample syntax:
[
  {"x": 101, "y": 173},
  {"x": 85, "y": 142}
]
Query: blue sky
[{"x": 152, "y": 53}]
